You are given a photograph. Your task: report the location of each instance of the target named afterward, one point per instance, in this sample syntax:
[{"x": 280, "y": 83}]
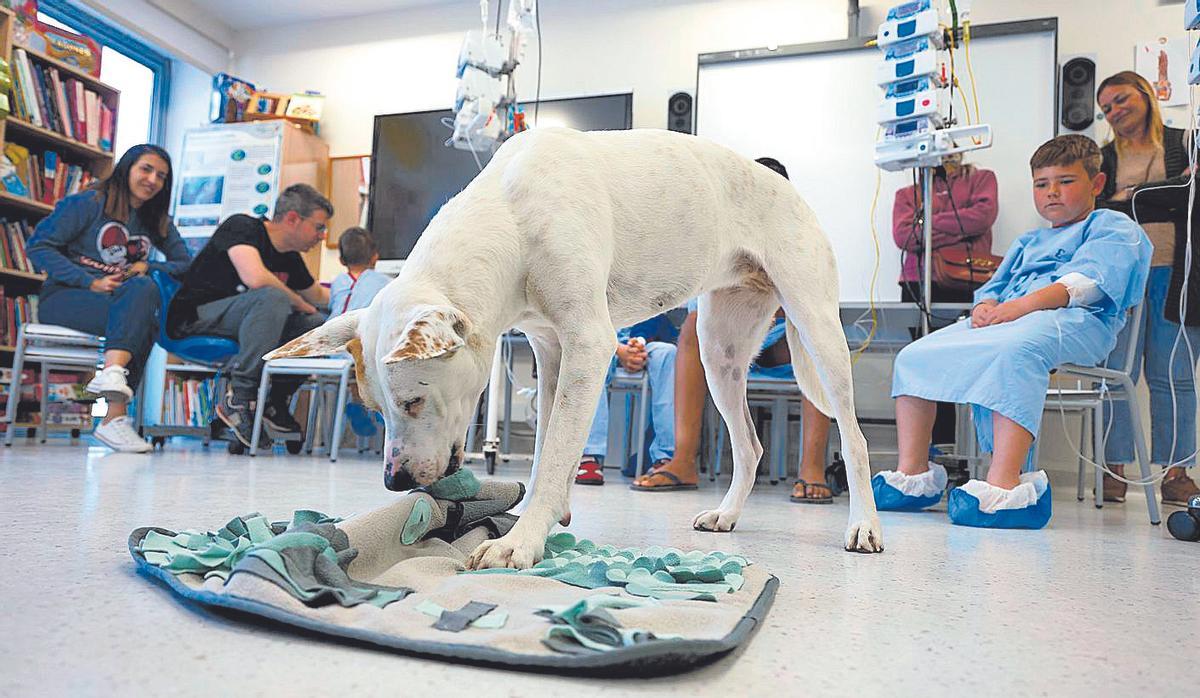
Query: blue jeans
[
  {"x": 1172, "y": 440},
  {"x": 127, "y": 317},
  {"x": 660, "y": 366}
]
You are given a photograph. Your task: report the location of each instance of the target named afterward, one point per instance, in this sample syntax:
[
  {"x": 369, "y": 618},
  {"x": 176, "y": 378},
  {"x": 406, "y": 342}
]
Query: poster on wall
[
  {"x": 1164, "y": 62},
  {"x": 226, "y": 169}
]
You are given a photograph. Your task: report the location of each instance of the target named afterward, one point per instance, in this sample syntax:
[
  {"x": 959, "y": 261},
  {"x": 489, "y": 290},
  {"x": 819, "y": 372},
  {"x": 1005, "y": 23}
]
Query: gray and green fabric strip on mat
[
  {"x": 306, "y": 558},
  {"x": 215, "y": 554},
  {"x": 659, "y": 573},
  {"x": 309, "y": 557},
  {"x": 477, "y": 617},
  {"x": 587, "y": 626}
]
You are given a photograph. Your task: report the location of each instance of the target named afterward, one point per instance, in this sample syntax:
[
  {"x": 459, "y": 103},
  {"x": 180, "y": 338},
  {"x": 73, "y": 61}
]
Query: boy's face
[{"x": 1065, "y": 194}]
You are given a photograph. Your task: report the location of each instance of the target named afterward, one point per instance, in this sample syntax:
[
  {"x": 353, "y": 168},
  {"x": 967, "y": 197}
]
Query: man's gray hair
[{"x": 302, "y": 199}]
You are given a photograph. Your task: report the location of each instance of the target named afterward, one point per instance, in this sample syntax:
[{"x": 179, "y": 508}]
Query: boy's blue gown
[{"x": 1006, "y": 367}]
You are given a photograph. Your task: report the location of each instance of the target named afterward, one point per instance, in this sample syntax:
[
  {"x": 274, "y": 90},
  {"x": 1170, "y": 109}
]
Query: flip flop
[
  {"x": 812, "y": 500},
  {"x": 676, "y": 485}
]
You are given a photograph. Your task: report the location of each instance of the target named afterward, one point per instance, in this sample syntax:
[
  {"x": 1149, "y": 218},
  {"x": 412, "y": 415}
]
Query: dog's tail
[{"x": 806, "y": 371}]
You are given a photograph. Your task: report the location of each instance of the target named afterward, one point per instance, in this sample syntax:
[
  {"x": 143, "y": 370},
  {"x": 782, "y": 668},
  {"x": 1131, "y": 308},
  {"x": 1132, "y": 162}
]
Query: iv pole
[{"x": 927, "y": 266}]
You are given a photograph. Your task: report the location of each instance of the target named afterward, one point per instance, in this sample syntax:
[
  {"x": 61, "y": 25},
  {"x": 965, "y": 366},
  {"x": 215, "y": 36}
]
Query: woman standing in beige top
[{"x": 1143, "y": 150}]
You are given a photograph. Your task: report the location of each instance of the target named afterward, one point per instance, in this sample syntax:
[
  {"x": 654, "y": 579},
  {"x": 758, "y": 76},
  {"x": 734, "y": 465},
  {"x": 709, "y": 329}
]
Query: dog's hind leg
[
  {"x": 807, "y": 284},
  {"x": 731, "y": 325}
]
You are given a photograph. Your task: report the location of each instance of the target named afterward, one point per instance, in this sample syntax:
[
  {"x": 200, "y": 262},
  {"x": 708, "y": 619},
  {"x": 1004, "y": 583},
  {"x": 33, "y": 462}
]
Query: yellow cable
[
  {"x": 956, "y": 86},
  {"x": 874, "y": 274},
  {"x": 970, "y": 70},
  {"x": 963, "y": 97}
]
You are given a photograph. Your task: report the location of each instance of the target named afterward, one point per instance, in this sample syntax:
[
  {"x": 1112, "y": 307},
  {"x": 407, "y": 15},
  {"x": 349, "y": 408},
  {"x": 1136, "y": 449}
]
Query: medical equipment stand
[
  {"x": 927, "y": 236},
  {"x": 491, "y": 442}
]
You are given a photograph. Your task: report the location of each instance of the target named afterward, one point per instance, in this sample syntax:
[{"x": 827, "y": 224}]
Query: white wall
[
  {"x": 176, "y": 27},
  {"x": 404, "y": 61},
  {"x": 190, "y": 90}
]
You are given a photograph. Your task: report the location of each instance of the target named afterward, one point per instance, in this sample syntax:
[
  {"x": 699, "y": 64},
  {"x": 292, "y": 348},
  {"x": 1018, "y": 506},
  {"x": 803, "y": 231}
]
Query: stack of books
[
  {"x": 67, "y": 401},
  {"x": 45, "y": 176},
  {"x": 13, "y": 236},
  {"x": 13, "y": 313},
  {"x": 44, "y": 97},
  {"x": 187, "y": 401}
]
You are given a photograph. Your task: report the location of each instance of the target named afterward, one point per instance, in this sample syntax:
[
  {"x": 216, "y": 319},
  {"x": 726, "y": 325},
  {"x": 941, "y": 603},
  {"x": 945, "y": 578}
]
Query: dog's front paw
[
  {"x": 864, "y": 535},
  {"x": 715, "y": 520},
  {"x": 517, "y": 552}
]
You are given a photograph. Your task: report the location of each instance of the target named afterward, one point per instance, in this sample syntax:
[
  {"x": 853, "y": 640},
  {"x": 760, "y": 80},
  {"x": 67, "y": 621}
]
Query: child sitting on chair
[
  {"x": 1061, "y": 295},
  {"x": 356, "y": 287}
]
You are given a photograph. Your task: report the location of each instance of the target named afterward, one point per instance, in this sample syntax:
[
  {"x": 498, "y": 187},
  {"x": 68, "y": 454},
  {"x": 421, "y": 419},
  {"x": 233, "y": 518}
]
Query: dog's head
[{"x": 422, "y": 369}]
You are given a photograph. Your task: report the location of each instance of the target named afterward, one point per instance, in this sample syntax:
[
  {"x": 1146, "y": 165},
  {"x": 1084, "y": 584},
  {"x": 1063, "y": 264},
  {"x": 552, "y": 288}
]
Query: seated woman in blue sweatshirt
[{"x": 95, "y": 249}]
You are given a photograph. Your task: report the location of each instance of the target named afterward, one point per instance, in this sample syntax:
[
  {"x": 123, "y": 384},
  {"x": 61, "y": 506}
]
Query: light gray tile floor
[{"x": 1098, "y": 604}]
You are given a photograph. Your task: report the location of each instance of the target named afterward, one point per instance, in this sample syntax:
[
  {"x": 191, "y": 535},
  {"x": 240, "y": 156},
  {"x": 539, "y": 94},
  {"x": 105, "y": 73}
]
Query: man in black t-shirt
[{"x": 249, "y": 283}]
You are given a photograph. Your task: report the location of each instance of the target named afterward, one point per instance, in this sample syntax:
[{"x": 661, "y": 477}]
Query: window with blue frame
[{"x": 141, "y": 73}]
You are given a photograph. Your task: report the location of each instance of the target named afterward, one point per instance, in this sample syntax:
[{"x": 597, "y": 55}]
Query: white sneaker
[
  {"x": 119, "y": 435},
  {"x": 110, "y": 382}
]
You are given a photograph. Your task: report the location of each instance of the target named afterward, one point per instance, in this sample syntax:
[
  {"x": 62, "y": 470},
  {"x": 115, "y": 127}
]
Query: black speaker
[
  {"x": 1078, "y": 90},
  {"x": 679, "y": 112}
]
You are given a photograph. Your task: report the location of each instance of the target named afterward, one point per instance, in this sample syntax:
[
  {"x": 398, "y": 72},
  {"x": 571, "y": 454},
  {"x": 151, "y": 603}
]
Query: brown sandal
[
  {"x": 1114, "y": 489},
  {"x": 809, "y": 495},
  {"x": 672, "y": 483},
  {"x": 1177, "y": 490}
]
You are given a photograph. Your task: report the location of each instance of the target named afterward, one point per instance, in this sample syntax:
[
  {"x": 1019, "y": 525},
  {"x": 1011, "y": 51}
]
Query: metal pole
[
  {"x": 506, "y": 432},
  {"x": 495, "y": 393},
  {"x": 927, "y": 215}
]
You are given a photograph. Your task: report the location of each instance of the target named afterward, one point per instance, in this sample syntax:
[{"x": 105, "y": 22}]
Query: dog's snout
[{"x": 397, "y": 478}]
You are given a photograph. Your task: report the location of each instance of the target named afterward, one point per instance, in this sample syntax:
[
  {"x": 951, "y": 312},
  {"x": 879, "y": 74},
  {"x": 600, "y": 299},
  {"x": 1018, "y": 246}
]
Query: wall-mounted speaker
[
  {"x": 1077, "y": 94},
  {"x": 679, "y": 112}
]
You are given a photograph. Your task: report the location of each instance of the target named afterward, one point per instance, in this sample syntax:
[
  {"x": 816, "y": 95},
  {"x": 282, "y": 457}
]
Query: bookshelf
[
  {"x": 19, "y": 282},
  {"x": 20, "y": 213},
  {"x": 21, "y": 130}
]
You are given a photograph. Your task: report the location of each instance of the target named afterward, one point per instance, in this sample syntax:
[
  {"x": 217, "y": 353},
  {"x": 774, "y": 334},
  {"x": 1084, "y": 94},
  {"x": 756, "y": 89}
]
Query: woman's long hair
[
  {"x": 1154, "y": 122},
  {"x": 117, "y": 197}
]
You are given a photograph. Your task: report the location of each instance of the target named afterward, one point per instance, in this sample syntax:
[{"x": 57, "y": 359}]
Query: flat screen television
[{"x": 414, "y": 173}]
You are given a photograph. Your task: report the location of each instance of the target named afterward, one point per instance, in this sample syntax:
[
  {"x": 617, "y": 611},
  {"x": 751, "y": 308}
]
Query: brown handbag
[{"x": 959, "y": 269}]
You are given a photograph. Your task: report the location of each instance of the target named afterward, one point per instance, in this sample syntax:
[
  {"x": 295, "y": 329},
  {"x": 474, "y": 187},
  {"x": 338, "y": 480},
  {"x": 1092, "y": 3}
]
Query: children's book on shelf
[
  {"x": 187, "y": 401},
  {"x": 45, "y": 97},
  {"x": 67, "y": 401},
  {"x": 15, "y": 311},
  {"x": 13, "y": 238},
  {"x": 41, "y": 175}
]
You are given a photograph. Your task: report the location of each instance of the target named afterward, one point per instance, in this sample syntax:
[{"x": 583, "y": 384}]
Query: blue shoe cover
[
  {"x": 360, "y": 419},
  {"x": 963, "y": 508},
  {"x": 891, "y": 498}
]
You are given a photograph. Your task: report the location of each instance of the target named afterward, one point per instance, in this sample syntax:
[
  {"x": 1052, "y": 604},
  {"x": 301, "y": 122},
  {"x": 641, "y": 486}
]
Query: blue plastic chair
[
  {"x": 205, "y": 350},
  {"x": 201, "y": 349}
]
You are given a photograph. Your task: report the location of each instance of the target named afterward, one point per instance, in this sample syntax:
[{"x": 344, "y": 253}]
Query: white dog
[{"x": 568, "y": 236}]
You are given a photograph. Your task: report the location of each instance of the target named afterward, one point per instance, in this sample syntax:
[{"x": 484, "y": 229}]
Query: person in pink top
[{"x": 964, "y": 209}]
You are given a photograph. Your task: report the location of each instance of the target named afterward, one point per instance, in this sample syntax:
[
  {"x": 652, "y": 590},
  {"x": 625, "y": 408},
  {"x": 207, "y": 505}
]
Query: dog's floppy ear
[
  {"x": 327, "y": 339},
  {"x": 431, "y": 331}
]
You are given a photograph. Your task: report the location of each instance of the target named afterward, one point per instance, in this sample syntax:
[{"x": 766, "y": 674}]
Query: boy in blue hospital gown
[{"x": 1061, "y": 295}]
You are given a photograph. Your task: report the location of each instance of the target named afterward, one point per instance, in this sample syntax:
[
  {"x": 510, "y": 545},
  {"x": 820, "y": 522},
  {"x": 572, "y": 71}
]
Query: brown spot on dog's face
[
  {"x": 413, "y": 407},
  {"x": 432, "y": 333},
  {"x": 354, "y": 346}
]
